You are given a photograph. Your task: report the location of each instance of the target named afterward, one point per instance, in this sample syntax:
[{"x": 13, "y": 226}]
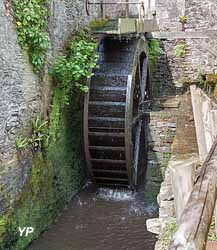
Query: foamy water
[{"x": 115, "y": 194}]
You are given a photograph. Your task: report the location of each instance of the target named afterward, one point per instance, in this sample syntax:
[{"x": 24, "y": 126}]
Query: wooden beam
[{"x": 196, "y": 218}]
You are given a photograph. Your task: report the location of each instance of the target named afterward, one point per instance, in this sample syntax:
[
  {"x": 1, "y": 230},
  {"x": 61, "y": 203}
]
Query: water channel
[{"x": 101, "y": 219}]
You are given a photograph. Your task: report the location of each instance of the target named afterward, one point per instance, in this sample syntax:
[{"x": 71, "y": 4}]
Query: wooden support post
[
  {"x": 196, "y": 218},
  {"x": 182, "y": 176}
]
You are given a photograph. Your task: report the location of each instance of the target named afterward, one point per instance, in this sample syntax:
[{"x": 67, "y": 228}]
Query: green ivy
[
  {"x": 31, "y": 21},
  {"x": 70, "y": 72}
]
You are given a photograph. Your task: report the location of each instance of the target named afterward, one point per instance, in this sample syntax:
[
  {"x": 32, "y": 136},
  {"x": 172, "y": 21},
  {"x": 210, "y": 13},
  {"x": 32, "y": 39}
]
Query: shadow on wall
[
  {"x": 160, "y": 125},
  {"x": 162, "y": 80}
]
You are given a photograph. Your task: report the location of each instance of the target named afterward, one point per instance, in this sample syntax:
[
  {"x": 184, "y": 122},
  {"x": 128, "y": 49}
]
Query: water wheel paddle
[{"x": 112, "y": 118}]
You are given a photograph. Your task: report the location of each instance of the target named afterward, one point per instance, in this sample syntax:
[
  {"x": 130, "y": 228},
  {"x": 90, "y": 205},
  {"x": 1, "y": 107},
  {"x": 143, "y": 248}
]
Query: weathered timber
[{"x": 195, "y": 220}]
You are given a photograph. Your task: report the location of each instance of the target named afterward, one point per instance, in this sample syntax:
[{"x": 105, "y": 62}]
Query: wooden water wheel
[{"x": 113, "y": 123}]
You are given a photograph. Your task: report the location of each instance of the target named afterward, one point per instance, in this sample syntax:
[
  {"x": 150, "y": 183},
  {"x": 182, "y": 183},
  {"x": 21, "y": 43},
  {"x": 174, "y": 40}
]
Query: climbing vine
[
  {"x": 70, "y": 72},
  {"x": 31, "y": 21}
]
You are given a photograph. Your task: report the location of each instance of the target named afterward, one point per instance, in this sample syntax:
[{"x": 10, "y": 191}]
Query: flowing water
[{"x": 101, "y": 219}]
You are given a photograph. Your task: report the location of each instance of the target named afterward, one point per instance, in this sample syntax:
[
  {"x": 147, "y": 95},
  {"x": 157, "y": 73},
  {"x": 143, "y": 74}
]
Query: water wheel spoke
[
  {"x": 137, "y": 150},
  {"x": 144, "y": 79}
]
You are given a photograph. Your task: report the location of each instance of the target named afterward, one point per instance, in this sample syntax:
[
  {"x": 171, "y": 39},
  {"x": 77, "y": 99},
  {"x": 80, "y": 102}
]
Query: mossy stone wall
[{"x": 55, "y": 176}]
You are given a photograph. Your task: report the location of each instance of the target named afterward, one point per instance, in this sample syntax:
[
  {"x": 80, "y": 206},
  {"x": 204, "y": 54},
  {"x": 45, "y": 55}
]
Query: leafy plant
[
  {"x": 207, "y": 83},
  {"x": 70, "y": 72},
  {"x": 183, "y": 19},
  {"x": 31, "y": 21},
  {"x": 180, "y": 50},
  {"x": 40, "y": 137},
  {"x": 21, "y": 143},
  {"x": 154, "y": 52},
  {"x": 202, "y": 83}
]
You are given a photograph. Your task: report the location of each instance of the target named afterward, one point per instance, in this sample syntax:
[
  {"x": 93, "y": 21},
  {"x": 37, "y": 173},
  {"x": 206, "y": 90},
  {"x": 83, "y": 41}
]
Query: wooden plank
[
  {"x": 102, "y": 148},
  {"x": 109, "y": 171},
  {"x": 106, "y": 134},
  {"x": 111, "y": 179},
  {"x": 196, "y": 218},
  {"x": 110, "y": 161}
]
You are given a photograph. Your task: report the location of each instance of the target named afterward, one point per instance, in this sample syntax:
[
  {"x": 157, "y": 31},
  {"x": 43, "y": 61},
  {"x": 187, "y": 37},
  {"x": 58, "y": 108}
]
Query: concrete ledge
[{"x": 182, "y": 35}]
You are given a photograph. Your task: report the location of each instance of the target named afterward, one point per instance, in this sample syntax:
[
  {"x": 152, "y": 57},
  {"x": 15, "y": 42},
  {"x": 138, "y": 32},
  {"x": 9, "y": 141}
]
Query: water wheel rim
[{"x": 132, "y": 157}]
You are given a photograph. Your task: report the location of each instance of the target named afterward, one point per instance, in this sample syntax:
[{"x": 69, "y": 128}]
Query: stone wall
[
  {"x": 20, "y": 93},
  {"x": 201, "y": 14},
  {"x": 66, "y": 17},
  {"x": 168, "y": 13},
  {"x": 161, "y": 132},
  {"x": 23, "y": 94},
  {"x": 174, "y": 73}
]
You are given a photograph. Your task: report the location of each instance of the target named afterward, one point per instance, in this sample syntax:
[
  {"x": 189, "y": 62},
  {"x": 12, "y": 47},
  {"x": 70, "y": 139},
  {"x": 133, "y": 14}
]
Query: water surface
[{"x": 101, "y": 219}]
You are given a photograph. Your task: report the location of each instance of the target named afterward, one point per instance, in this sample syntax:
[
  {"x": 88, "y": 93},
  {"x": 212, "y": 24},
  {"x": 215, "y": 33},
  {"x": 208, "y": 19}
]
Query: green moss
[
  {"x": 154, "y": 52},
  {"x": 32, "y": 207},
  {"x": 56, "y": 175},
  {"x": 152, "y": 190},
  {"x": 96, "y": 24},
  {"x": 167, "y": 234},
  {"x": 55, "y": 114}
]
